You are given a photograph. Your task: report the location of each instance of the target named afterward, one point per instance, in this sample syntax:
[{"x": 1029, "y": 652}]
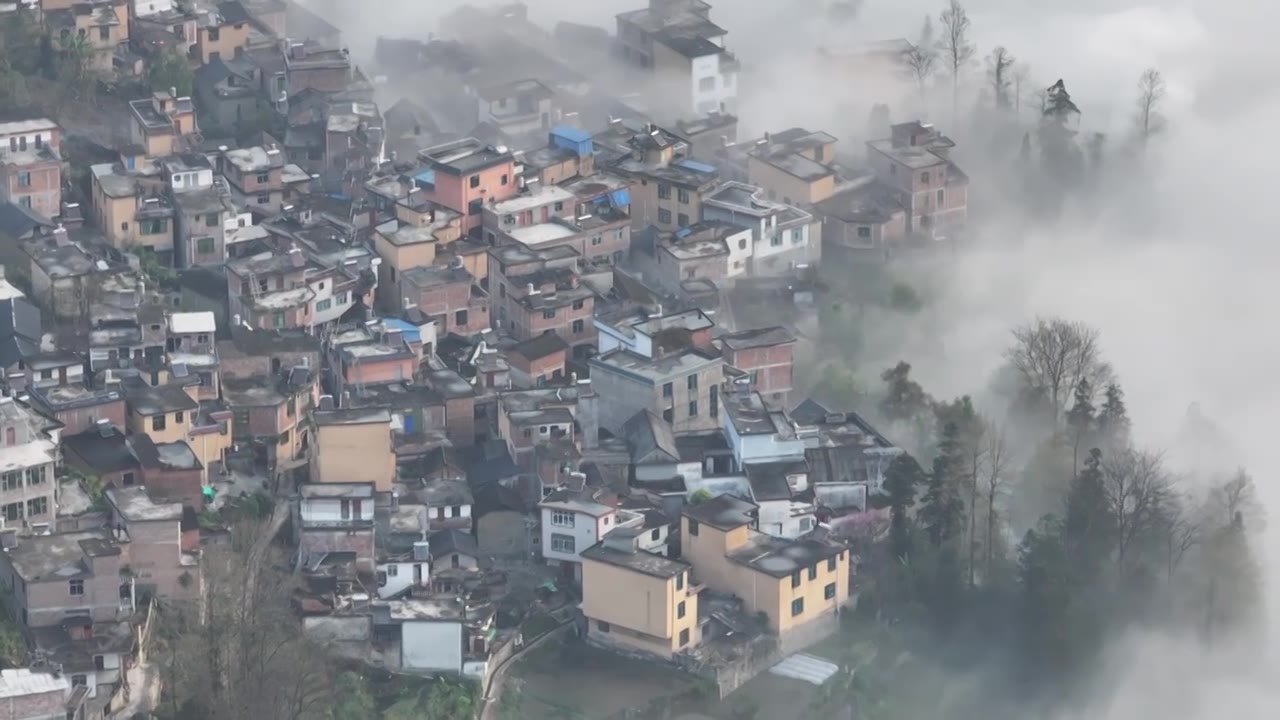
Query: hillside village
[{"x": 472, "y": 356}]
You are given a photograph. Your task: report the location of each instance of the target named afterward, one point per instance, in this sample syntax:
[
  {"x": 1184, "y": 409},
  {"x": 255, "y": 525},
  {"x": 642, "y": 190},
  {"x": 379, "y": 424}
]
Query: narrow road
[{"x": 493, "y": 690}]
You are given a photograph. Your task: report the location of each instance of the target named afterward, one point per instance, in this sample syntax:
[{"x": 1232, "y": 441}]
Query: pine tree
[
  {"x": 1080, "y": 420},
  {"x": 1087, "y": 530},
  {"x": 1113, "y": 420},
  {"x": 942, "y": 508},
  {"x": 900, "y": 483}
]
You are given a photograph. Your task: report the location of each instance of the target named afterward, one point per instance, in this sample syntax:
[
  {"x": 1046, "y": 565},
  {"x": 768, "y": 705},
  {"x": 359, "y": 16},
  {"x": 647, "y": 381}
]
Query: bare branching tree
[
  {"x": 1179, "y": 527},
  {"x": 957, "y": 49},
  {"x": 1000, "y": 74},
  {"x": 1053, "y": 355},
  {"x": 1151, "y": 92},
  {"x": 976, "y": 447},
  {"x": 1235, "y": 500},
  {"x": 1137, "y": 488},
  {"x": 922, "y": 59},
  {"x": 1021, "y": 80}
]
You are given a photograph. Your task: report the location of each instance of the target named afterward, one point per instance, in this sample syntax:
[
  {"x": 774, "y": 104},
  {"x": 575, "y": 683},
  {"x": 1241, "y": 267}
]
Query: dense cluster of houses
[{"x": 480, "y": 347}]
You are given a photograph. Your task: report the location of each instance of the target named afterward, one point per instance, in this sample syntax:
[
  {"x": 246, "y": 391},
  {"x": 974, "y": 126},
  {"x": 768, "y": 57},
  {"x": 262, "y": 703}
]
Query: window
[
  {"x": 475, "y": 207},
  {"x": 24, "y": 179},
  {"x": 460, "y": 317},
  {"x": 75, "y": 587},
  {"x": 177, "y": 417},
  {"x": 680, "y": 610},
  {"x": 25, "y": 201},
  {"x": 692, "y": 382},
  {"x": 549, "y": 313},
  {"x": 796, "y": 236},
  {"x": 664, "y": 191},
  {"x": 829, "y": 592},
  {"x": 776, "y": 240},
  {"x": 264, "y": 178},
  {"x": 277, "y": 320},
  {"x": 742, "y": 244},
  {"x": 707, "y": 84},
  {"x": 942, "y": 195},
  {"x": 924, "y": 178},
  {"x": 36, "y": 475},
  {"x": 154, "y": 226},
  {"x": 158, "y": 422},
  {"x": 682, "y": 195},
  {"x": 797, "y": 607},
  {"x": 264, "y": 198},
  {"x": 596, "y": 240},
  {"x": 79, "y": 681},
  {"x": 668, "y": 415},
  {"x": 693, "y": 528},
  {"x": 46, "y": 374},
  {"x": 562, "y": 518},
  {"x": 127, "y": 479},
  {"x": 99, "y": 662},
  {"x": 795, "y": 579},
  {"x": 13, "y": 512},
  {"x": 654, "y": 536},
  {"x": 602, "y": 626},
  {"x": 664, "y": 216},
  {"x": 684, "y": 637},
  {"x": 715, "y": 401},
  {"x": 579, "y": 326},
  {"x": 212, "y": 219},
  {"x": 474, "y": 181},
  {"x": 864, "y": 231},
  {"x": 504, "y": 179},
  {"x": 813, "y": 572},
  {"x": 682, "y": 220},
  {"x": 124, "y": 227},
  {"x": 393, "y": 570},
  {"x": 204, "y": 245},
  {"x": 579, "y": 304},
  {"x": 37, "y": 506},
  {"x": 323, "y": 305},
  {"x": 340, "y": 299},
  {"x": 562, "y": 543},
  {"x": 693, "y": 409},
  {"x": 104, "y": 32},
  {"x": 213, "y": 34}
]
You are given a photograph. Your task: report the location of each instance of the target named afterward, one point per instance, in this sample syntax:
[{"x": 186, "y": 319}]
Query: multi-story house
[
  {"x": 293, "y": 289},
  {"x": 162, "y": 124},
  {"x": 80, "y": 408},
  {"x": 159, "y": 551},
  {"x": 383, "y": 360},
  {"x": 28, "y": 453},
  {"x": 766, "y": 356},
  {"x": 677, "y": 41},
  {"x": 132, "y": 213},
  {"x": 192, "y": 343},
  {"x": 515, "y": 108},
  {"x": 104, "y": 25},
  {"x": 794, "y": 166},
  {"x": 271, "y": 410},
  {"x": 403, "y": 245},
  {"x": 31, "y": 164},
  {"x": 573, "y": 521},
  {"x": 354, "y": 138},
  {"x": 353, "y": 445},
  {"x": 312, "y": 65},
  {"x": 447, "y": 294},
  {"x": 256, "y": 176},
  {"x": 537, "y": 291},
  {"x": 638, "y": 601},
  {"x": 568, "y": 154},
  {"x": 202, "y": 210},
  {"x": 335, "y": 517},
  {"x": 915, "y": 161},
  {"x": 52, "y": 577},
  {"x": 784, "y": 236},
  {"x": 222, "y": 33},
  {"x": 864, "y": 220},
  {"x": 465, "y": 175},
  {"x": 530, "y": 418},
  {"x": 798, "y": 585},
  {"x": 709, "y": 250},
  {"x": 667, "y": 186},
  {"x": 666, "y": 365}
]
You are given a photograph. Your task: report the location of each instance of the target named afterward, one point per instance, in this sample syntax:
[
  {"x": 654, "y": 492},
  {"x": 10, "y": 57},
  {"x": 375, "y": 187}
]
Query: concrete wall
[
  {"x": 427, "y": 645},
  {"x": 645, "y": 605},
  {"x": 354, "y": 453}
]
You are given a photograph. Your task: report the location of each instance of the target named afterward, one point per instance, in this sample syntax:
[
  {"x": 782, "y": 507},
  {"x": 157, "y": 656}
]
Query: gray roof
[
  {"x": 769, "y": 480},
  {"x": 351, "y": 416},
  {"x": 61, "y": 556},
  {"x": 447, "y": 542},
  {"x": 17, "y": 222},
  {"x": 640, "y": 561},
  {"x": 136, "y": 505},
  {"x": 102, "y": 451},
  {"x": 651, "y": 439},
  {"x": 764, "y": 337},
  {"x": 20, "y": 330},
  {"x": 147, "y": 400},
  {"x": 723, "y": 512},
  {"x": 780, "y": 557}
]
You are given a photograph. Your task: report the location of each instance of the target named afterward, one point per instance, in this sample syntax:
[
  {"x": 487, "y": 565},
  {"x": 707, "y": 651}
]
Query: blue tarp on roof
[
  {"x": 572, "y": 139},
  {"x": 620, "y": 198},
  {"x": 694, "y": 165},
  {"x": 572, "y": 134},
  {"x": 426, "y": 177},
  {"x": 407, "y": 329}
]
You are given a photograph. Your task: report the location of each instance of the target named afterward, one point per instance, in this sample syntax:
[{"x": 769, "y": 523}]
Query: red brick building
[
  {"x": 538, "y": 361},
  {"x": 31, "y": 164},
  {"x": 448, "y": 295},
  {"x": 540, "y": 291},
  {"x": 766, "y": 355}
]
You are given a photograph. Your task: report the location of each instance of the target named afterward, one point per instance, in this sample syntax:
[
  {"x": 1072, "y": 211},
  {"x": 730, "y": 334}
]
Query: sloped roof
[{"x": 650, "y": 438}]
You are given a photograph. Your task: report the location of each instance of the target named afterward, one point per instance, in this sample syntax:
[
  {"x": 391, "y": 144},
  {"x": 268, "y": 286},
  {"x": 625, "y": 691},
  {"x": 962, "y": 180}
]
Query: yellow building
[
  {"x": 164, "y": 413},
  {"x": 792, "y": 582},
  {"x": 353, "y": 446},
  {"x": 637, "y": 600}
]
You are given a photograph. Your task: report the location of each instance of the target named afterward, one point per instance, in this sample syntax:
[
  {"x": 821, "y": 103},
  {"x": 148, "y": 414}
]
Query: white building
[
  {"x": 574, "y": 521},
  {"x": 783, "y": 235},
  {"x": 28, "y": 454}
]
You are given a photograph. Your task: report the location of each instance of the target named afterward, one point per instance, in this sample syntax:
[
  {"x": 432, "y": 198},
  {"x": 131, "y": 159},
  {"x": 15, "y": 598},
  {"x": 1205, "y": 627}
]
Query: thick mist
[{"x": 1177, "y": 269}]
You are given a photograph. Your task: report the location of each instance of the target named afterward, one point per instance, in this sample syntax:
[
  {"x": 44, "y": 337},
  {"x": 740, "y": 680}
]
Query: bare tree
[
  {"x": 1151, "y": 92},
  {"x": 1179, "y": 528},
  {"x": 994, "y": 483},
  {"x": 1053, "y": 355},
  {"x": 956, "y": 48},
  {"x": 1137, "y": 487},
  {"x": 1000, "y": 74},
  {"x": 922, "y": 59},
  {"x": 1235, "y": 500},
  {"x": 974, "y": 442},
  {"x": 1021, "y": 79}
]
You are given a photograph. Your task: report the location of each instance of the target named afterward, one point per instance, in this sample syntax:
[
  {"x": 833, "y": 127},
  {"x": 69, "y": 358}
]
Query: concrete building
[
  {"x": 766, "y": 355},
  {"x": 785, "y": 237},
  {"x": 335, "y": 517},
  {"x": 638, "y": 601},
  {"x": 33, "y": 695},
  {"x": 447, "y": 294},
  {"x": 162, "y": 124},
  {"x": 28, "y": 485},
  {"x": 79, "y": 408},
  {"x": 518, "y": 107},
  {"x": 132, "y": 213},
  {"x": 353, "y": 446},
  {"x": 31, "y": 164},
  {"x": 794, "y": 166},
  {"x": 104, "y": 25},
  {"x": 77, "y": 573},
  {"x": 160, "y": 554},
  {"x": 667, "y": 186},
  {"x": 677, "y": 41},
  {"x": 465, "y": 175},
  {"x": 573, "y": 521},
  {"x": 798, "y": 585},
  {"x": 256, "y": 176},
  {"x": 711, "y": 250},
  {"x": 915, "y": 162}
]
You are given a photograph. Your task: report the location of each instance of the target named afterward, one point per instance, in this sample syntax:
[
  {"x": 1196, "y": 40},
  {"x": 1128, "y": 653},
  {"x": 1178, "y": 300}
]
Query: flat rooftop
[
  {"x": 779, "y": 557},
  {"x": 351, "y": 416},
  {"x": 654, "y": 369},
  {"x": 465, "y": 156},
  {"x": 722, "y": 512},
  {"x": 136, "y": 505},
  {"x": 59, "y": 557},
  {"x": 640, "y": 561}
]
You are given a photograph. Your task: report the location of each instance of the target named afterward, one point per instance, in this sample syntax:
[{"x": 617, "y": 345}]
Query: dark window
[
  {"x": 474, "y": 181},
  {"x": 579, "y": 304},
  {"x": 693, "y": 409},
  {"x": 460, "y": 317},
  {"x": 668, "y": 415},
  {"x": 864, "y": 231},
  {"x": 455, "y": 511},
  {"x": 504, "y": 179},
  {"x": 831, "y": 564},
  {"x": 475, "y": 207},
  {"x": 602, "y": 626},
  {"x": 797, "y": 607},
  {"x": 680, "y": 610},
  {"x": 684, "y": 637},
  {"x": 104, "y": 33},
  {"x": 213, "y": 34},
  {"x": 99, "y": 662},
  {"x": 654, "y": 536},
  {"x": 549, "y": 313},
  {"x": 667, "y": 390},
  {"x": 829, "y": 592},
  {"x": 693, "y": 382},
  {"x": 693, "y": 528},
  {"x": 924, "y": 177},
  {"x": 795, "y": 579},
  {"x": 177, "y": 417},
  {"x": 664, "y": 191},
  {"x": 205, "y": 245},
  {"x": 715, "y": 401},
  {"x": 813, "y": 572},
  {"x": 75, "y": 587},
  {"x": 264, "y": 178},
  {"x": 664, "y": 216},
  {"x": 127, "y": 479},
  {"x": 682, "y": 220},
  {"x": 683, "y": 196},
  {"x": 158, "y": 422},
  {"x": 680, "y": 577},
  {"x": 941, "y": 196},
  {"x": 79, "y": 680},
  {"x": 579, "y": 326}
]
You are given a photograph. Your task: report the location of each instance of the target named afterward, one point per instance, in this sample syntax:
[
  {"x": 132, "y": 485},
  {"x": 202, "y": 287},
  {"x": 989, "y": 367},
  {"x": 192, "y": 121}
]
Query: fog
[{"x": 1178, "y": 272}]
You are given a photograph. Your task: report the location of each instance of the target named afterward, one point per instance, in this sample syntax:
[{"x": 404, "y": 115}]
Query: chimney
[
  {"x": 298, "y": 51},
  {"x": 173, "y": 91}
]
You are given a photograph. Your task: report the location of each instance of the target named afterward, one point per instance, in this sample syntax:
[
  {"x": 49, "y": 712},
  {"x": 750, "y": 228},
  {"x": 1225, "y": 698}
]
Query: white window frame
[{"x": 562, "y": 518}]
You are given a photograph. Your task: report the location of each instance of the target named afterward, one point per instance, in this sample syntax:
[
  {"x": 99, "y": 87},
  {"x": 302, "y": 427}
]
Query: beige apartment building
[
  {"x": 636, "y": 600},
  {"x": 354, "y": 445}
]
